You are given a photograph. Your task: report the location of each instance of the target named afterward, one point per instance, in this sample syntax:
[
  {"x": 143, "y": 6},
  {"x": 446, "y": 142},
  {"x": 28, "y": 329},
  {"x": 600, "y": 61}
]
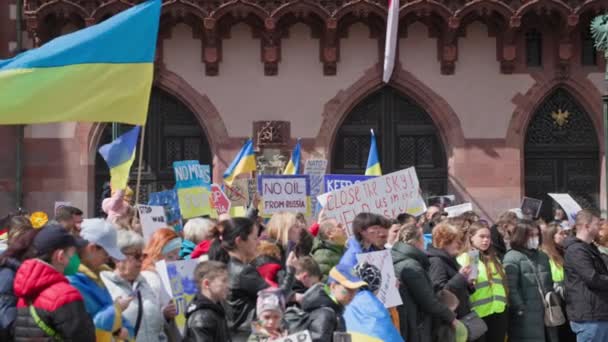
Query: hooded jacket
[
  {"x": 58, "y": 304},
  {"x": 444, "y": 274},
  {"x": 327, "y": 254},
  {"x": 8, "y": 300},
  {"x": 325, "y": 313},
  {"x": 421, "y": 306},
  {"x": 205, "y": 321},
  {"x": 586, "y": 282}
]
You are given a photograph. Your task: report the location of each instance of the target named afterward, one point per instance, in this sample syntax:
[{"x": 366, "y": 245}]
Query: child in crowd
[
  {"x": 206, "y": 318},
  {"x": 308, "y": 274},
  {"x": 270, "y": 307}
]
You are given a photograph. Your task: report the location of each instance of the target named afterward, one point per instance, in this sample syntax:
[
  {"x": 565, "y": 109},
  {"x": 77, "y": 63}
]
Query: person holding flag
[
  {"x": 293, "y": 166},
  {"x": 373, "y": 162}
]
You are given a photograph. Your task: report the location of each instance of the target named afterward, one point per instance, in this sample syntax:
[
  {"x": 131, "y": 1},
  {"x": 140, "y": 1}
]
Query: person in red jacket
[{"x": 48, "y": 307}]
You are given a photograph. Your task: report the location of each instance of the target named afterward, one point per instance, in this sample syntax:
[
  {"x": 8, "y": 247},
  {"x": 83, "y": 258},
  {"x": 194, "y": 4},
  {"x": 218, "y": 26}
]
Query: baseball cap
[
  {"x": 52, "y": 237},
  {"x": 345, "y": 276},
  {"x": 270, "y": 300},
  {"x": 103, "y": 234}
]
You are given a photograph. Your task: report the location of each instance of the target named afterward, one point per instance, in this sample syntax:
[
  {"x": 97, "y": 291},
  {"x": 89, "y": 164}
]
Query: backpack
[{"x": 296, "y": 319}]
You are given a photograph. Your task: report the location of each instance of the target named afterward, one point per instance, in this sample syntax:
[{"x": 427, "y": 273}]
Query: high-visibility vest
[
  {"x": 490, "y": 296},
  {"x": 557, "y": 273}
]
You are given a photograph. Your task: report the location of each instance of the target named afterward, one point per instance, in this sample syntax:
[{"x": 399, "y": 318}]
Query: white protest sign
[
  {"x": 389, "y": 195},
  {"x": 458, "y": 210},
  {"x": 177, "y": 279},
  {"x": 302, "y": 336},
  {"x": 61, "y": 204},
  {"x": 152, "y": 217},
  {"x": 315, "y": 169},
  {"x": 284, "y": 193},
  {"x": 568, "y": 204},
  {"x": 388, "y": 293}
]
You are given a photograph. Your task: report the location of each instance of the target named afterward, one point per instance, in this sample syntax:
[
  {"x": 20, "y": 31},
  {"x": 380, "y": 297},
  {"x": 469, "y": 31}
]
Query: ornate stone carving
[
  {"x": 271, "y": 133},
  {"x": 271, "y": 162}
]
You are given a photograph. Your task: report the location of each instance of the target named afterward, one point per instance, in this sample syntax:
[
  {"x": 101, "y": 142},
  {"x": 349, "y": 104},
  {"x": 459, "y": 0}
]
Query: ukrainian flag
[
  {"x": 119, "y": 155},
  {"x": 373, "y": 162},
  {"x": 102, "y": 73},
  {"x": 243, "y": 162},
  {"x": 293, "y": 166}
]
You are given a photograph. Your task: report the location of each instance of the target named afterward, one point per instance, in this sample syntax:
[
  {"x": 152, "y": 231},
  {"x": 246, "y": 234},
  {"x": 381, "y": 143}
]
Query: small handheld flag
[
  {"x": 373, "y": 162},
  {"x": 243, "y": 162},
  {"x": 119, "y": 155},
  {"x": 293, "y": 166}
]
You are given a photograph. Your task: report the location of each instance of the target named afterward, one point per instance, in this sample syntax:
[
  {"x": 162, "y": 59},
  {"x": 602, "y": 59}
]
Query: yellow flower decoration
[{"x": 39, "y": 219}]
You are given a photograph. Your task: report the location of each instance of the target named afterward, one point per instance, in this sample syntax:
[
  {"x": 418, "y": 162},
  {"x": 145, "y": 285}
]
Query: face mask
[
  {"x": 73, "y": 264},
  {"x": 532, "y": 243}
]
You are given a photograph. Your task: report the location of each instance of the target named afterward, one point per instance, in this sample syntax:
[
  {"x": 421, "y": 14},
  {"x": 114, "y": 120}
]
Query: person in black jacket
[
  {"x": 205, "y": 316},
  {"x": 586, "y": 281}
]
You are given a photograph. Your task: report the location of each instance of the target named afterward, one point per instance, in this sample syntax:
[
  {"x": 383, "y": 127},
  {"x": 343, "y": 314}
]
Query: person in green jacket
[{"x": 328, "y": 246}]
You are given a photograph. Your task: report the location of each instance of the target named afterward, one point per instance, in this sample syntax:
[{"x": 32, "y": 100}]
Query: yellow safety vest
[
  {"x": 489, "y": 297},
  {"x": 557, "y": 273}
]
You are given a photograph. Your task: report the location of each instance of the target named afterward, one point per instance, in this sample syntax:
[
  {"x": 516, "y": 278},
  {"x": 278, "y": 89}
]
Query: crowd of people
[{"x": 460, "y": 278}]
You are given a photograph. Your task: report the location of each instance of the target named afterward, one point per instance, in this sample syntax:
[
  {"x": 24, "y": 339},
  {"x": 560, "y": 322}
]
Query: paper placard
[
  {"x": 152, "y": 217},
  {"x": 389, "y": 195},
  {"x": 188, "y": 174},
  {"x": 302, "y": 336},
  {"x": 284, "y": 193},
  {"x": 571, "y": 208},
  {"x": 193, "y": 188},
  {"x": 168, "y": 200},
  {"x": 177, "y": 278},
  {"x": 335, "y": 182},
  {"x": 238, "y": 192},
  {"x": 194, "y": 202},
  {"x": 388, "y": 293},
  {"x": 531, "y": 207},
  {"x": 457, "y": 210},
  {"x": 220, "y": 201},
  {"x": 315, "y": 169}
]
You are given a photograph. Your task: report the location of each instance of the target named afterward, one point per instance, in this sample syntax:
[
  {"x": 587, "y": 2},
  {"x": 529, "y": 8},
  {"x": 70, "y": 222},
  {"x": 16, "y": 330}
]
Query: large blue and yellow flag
[
  {"x": 293, "y": 166},
  {"x": 119, "y": 155},
  {"x": 243, "y": 162},
  {"x": 102, "y": 73},
  {"x": 373, "y": 162}
]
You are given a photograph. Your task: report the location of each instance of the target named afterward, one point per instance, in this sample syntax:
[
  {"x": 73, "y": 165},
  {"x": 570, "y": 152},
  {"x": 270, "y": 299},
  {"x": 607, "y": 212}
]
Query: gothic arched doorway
[
  {"x": 172, "y": 134},
  {"x": 561, "y": 153},
  {"x": 406, "y": 136}
]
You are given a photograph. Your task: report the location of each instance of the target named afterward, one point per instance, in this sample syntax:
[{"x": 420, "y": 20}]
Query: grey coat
[{"x": 526, "y": 321}]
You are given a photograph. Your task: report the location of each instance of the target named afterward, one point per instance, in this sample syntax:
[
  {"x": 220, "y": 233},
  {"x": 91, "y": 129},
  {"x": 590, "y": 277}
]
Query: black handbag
[{"x": 475, "y": 325}]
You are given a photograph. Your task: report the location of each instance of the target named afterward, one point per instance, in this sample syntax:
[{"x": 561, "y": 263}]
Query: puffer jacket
[
  {"x": 243, "y": 286},
  {"x": 325, "y": 314},
  {"x": 205, "y": 321},
  {"x": 57, "y": 303},
  {"x": 586, "y": 282},
  {"x": 8, "y": 300},
  {"x": 327, "y": 254},
  {"x": 152, "y": 320},
  {"x": 526, "y": 319},
  {"x": 445, "y": 276},
  {"x": 421, "y": 306}
]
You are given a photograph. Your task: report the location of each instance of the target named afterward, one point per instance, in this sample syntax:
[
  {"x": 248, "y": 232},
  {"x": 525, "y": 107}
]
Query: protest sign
[
  {"x": 188, "y": 174},
  {"x": 61, "y": 204},
  {"x": 315, "y": 169},
  {"x": 531, "y": 207},
  {"x": 302, "y": 336},
  {"x": 458, "y": 210},
  {"x": 388, "y": 293},
  {"x": 194, "y": 202},
  {"x": 220, "y": 201},
  {"x": 192, "y": 188},
  {"x": 389, "y": 195},
  {"x": 168, "y": 199},
  {"x": 284, "y": 193},
  {"x": 177, "y": 278},
  {"x": 335, "y": 182},
  {"x": 238, "y": 192},
  {"x": 152, "y": 217},
  {"x": 571, "y": 208}
]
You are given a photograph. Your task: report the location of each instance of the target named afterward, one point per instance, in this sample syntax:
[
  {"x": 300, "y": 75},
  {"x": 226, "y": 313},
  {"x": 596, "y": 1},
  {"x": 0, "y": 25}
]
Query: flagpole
[{"x": 140, "y": 161}]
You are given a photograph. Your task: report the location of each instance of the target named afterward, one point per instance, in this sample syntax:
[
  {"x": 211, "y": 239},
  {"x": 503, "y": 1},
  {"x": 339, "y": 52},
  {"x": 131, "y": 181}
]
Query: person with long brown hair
[{"x": 489, "y": 300}]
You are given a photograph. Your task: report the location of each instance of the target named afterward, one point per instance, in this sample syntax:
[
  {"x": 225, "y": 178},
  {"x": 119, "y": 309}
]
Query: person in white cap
[{"x": 102, "y": 245}]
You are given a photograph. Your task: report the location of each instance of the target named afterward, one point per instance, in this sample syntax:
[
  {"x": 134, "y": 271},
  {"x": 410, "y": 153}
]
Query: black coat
[
  {"x": 421, "y": 306},
  {"x": 498, "y": 242},
  {"x": 586, "y": 279},
  {"x": 8, "y": 300},
  {"x": 325, "y": 314},
  {"x": 445, "y": 276},
  {"x": 206, "y": 321}
]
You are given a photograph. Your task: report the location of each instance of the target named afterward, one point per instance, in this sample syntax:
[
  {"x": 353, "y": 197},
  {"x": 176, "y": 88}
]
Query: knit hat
[
  {"x": 369, "y": 274},
  {"x": 270, "y": 299}
]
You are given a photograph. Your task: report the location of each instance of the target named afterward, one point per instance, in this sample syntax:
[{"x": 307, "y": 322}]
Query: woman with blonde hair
[{"x": 283, "y": 228}]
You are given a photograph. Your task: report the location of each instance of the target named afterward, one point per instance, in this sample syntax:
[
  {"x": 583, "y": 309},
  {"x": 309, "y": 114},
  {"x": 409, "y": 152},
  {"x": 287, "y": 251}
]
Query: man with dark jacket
[
  {"x": 47, "y": 304},
  {"x": 325, "y": 303},
  {"x": 586, "y": 281}
]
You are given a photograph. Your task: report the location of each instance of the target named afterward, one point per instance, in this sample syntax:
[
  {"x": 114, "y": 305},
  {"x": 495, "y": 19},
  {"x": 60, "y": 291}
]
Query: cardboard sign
[
  {"x": 531, "y": 207},
  {"x": 315, "y": 169},
  {"x": 188, "y": 174},
  {"x": 458, "y": 210},
  {"x": 193, "y": 189},
  {"x": 388, "y": 293},
  {"x": 238, "y": 192},
  {"x": 152, "y": 217},
  {"x": 168, "y": 200},
  {"x": 571, "y": 208},
  {"x": 389, "y": 195},
  {"x": 177, "y": 278},
  {"x": 220, "y": 201},
  {"x": 302, "y": 336},
  {"x": 194, "y": 202},
  {"x": 335, "y": 182},
  {"x": 284, "y": 193}
]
